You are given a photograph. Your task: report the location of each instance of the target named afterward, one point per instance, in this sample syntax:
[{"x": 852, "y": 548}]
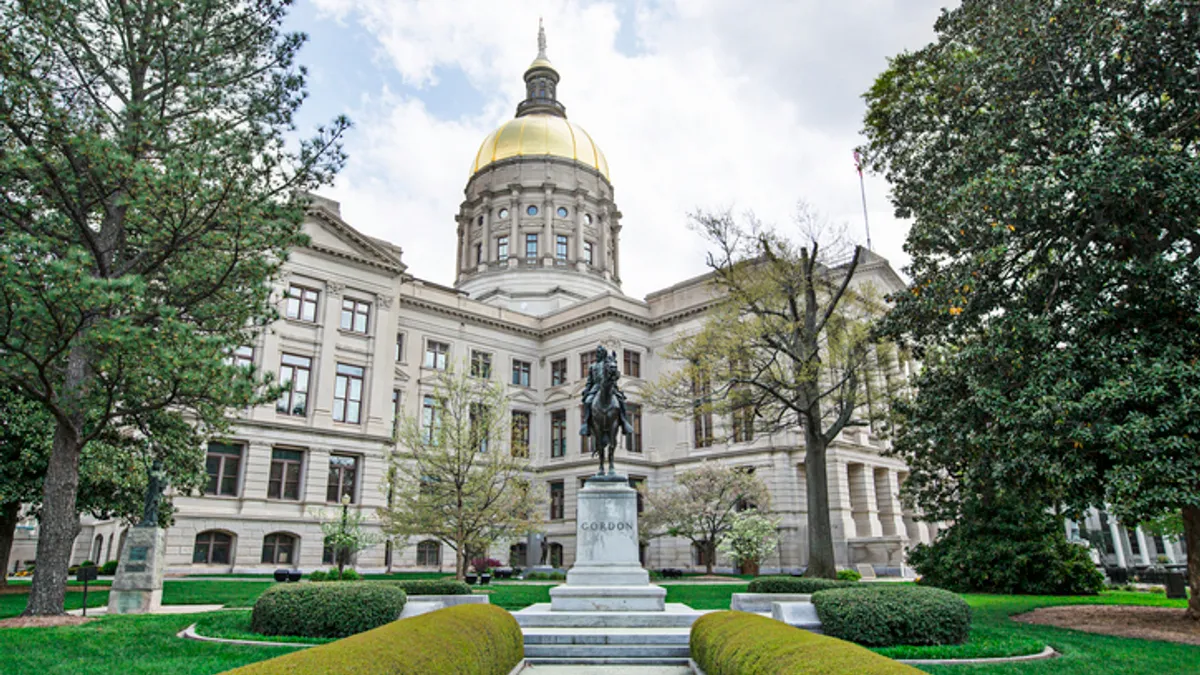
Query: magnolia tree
[
  {"x": 787, "y": 346},
  {"x": 753, "y": 538},
  {"x": 702, "y": 506},
  {"x": 459, "y": 476}
]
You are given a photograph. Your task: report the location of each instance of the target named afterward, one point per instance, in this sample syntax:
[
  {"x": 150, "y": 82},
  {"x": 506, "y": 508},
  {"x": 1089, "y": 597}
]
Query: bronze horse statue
[{"x": 606, "y": 416}]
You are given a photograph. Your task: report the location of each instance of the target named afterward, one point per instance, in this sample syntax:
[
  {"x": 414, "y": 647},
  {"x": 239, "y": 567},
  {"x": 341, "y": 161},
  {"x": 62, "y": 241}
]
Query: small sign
[
  {"x": 138, "y": 553},
  {"x": 88, "y": 573},
  {"x": 135, "y": 568}
]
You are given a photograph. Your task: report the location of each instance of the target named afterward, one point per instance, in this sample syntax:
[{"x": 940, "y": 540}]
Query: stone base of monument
[
  {"x": 608, "y": 598},
  {"x": 137, "y": 586}
]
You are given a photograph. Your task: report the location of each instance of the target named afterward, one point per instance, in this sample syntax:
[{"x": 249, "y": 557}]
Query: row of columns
[{"x": 864, "y": 502}]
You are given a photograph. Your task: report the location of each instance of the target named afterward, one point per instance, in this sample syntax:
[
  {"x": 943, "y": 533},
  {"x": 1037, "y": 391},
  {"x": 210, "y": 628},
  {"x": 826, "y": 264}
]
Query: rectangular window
[
  {"x": 639, "y": 483},
  {"x": 558, "y": 500},
  {"x": 355, "y": 315},
  {"x": 702, "y": 425},
  {"x": 558, "y": 372},
  {"x": 521, "y": 372},
  {"x": 431, "y": 419},
  {"x": 436, "y": 354},
  {"x": 633, "y": 364},
  {"x": 531, "y": 246},
  {"x": 520, "y": 434},
  {"x": 587, "y": 252},
  {"x": 395, "y": 411},
  {"x": 222, "y": 464},
  {"x": 560, "y": 247},
  {"x": 243, "y": 357},
  {"x": 480, "y": 419},
  {"x": 343, "y": 472},
  {"x": 294, "y": 371},
  {"x": 478, "y": 254},
  {"x": 302, "y": 303},
  {"x": 284, "y": 481},
  {"x": 481, "y": 364},
  {"x": 585, "y": 442},
  {"x": 502, "y": 248},
  {"x": 347, "y": 394},
  {"x": 558, "y": 433},
  {"x": 400, "y": 347},
  {"x": 743, "y": 423},
  {"x": 634, "y": 411},
  {"x": 586, "y": 359}
]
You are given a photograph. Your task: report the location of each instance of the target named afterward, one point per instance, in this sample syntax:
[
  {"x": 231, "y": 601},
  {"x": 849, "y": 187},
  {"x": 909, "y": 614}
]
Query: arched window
[
  {"x": 212, "y": 548},
  {"x": 108, "y": 556},
  {"x": 329, "y": 555},
  {"x": 279, "y": 548},
  {"x": 556, "y": 554},
  {"x": 97, "y": 549},
  {"x": 429, "y": 554},
  {"x": 121, "y": 542}
]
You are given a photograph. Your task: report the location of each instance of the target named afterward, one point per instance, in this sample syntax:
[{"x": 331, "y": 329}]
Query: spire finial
[{"x": 541, "y": 39}]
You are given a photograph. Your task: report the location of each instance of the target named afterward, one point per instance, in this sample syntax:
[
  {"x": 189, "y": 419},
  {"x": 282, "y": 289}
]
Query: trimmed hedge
[
  {"x": 432, "y": 586},
  {"x": 883, "y": 616},
  {"x": 795, "y": 585},
  {"x": 459, "y": 640},
  {"x": 326, "y": 609},
  {"x": 109, "y": 568},
  {"x": 733, "y": 643}
]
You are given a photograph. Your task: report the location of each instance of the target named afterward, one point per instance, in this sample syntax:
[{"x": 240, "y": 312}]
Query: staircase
[{"x": 607, "y": 646}]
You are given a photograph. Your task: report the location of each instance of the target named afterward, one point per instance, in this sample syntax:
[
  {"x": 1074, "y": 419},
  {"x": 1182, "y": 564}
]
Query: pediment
[
  {"x": 522, "y": 396},
  {"x": 331, "y": 235}
]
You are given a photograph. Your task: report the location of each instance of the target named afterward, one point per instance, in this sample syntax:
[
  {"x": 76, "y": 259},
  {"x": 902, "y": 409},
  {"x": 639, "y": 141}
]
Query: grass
[
  {"x": 235, "y": 625},
  {"x": 704, "y": 596},
  {"x": 515, "y": 596}
]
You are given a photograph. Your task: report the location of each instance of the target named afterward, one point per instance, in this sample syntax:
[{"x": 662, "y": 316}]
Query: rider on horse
[{"x": 594, "y": 380}]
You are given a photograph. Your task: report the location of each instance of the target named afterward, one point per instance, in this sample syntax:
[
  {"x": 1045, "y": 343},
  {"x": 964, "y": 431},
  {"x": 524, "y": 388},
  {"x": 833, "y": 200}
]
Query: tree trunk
[
  {"x": 460, "y": 563},
  {"x": 8, "y": 526},
  {"x": 710, "y": 556},
  {"x": 820, "y": 533},
  {"x": 1191, "y": 535},
  {"x": 58, "y": 526}
]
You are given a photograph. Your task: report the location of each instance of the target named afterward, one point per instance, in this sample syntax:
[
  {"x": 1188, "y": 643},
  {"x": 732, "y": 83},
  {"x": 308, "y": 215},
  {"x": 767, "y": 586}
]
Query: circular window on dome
[
  {"x": 588, "y": 217},
  {"x": 503, "y": 214},
  {"x": 562, "y": 212},
  {"x": 532, "y": 210}
]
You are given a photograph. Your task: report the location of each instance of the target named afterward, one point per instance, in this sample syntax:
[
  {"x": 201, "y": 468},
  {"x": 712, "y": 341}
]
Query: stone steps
[
  {"x": 606, "y": 661},
  {"x": 540, "y": 616},
  {"x": 607, "y": 646}
]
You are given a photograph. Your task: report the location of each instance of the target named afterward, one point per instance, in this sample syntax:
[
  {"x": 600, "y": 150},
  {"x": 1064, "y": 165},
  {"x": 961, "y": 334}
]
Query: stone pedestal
[
  {"x": 607, "y": 575},
  {"x": 137, "y": 587}
]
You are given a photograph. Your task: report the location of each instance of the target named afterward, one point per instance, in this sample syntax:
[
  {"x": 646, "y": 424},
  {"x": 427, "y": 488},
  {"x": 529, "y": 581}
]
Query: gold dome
[{"x": 540, "y": 135}]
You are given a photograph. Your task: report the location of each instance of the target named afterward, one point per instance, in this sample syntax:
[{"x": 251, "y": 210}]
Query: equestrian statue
[{"x": 604, "y": 408}]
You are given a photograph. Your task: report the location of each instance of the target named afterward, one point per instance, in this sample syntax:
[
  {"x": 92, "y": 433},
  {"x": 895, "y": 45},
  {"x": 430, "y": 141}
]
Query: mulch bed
[
  {"x": 1147, "y": 623},
  {"x": 42, "y": 621}
]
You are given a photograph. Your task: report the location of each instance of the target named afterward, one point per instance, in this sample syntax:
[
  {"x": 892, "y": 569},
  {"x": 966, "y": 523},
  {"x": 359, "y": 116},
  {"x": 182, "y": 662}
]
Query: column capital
[{"x": 334, "y": 289}]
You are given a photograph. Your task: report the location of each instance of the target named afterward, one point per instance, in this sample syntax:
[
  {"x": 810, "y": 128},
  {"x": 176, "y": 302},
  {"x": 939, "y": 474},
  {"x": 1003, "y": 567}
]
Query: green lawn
[
  {"x": 135, "y": 645},
  {"x": 235, "y": 625}
]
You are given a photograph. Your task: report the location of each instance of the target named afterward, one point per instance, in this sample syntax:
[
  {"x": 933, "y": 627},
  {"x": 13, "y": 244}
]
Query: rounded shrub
[
  {"x": 432, "y": 586},
  {"x": 326, "y": 609},
  {"x": 109, "y": 568},
  {"x": 349, "y": 574},
  {"x": 795, "y": 585},
  {"x": 459, "y": 640},
  {"x": 317, "y": 575},
  {"x": 877, "y": 615},
  {"x": 734, "y": 643},
  {"x": 849, "y": 575}
]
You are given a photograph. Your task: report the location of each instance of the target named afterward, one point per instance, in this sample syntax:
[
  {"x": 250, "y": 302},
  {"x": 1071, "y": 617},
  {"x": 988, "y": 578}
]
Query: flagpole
[{"x": 862, "y": 187}]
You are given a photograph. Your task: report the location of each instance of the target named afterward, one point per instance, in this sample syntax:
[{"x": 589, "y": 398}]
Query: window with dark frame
[
  {"x": 222, "y": 464},
  {"x": 278, "y": 549},
  {"x": 558, "y": 372},
  {"x": 558, "y": 500},
  {"x": 502, "y": 248},
  {"x": 395, "y": 411},
  {"x": 480, "y": 421},
  {"x": 558, "y": 433},
  {"x": 531, "y": 246},
  {"x": 436, "y": 354},
  {"x": 400, "y": 347},
  {"x": 296, "y": 371},
  {"x": 585, "y": 442},
  {"x": 356, "y": 315},
  {"x": 211, "y": 548},
  {"x": 587, "y": 253},
  {"x": 429, "y": 553},
  {"x": 520, "y": 434},
  {"x": 639, "y": 483},
  {"x": 521, "y": 372},
  {"x": 431, "y": 418},
  {"x": 481, "y": 364},
  {"x": 347, "y": 394},
  {"x": 343, "y": 473},
  {"x": 302, "y": 303},
  {"x": 634, "y": 410},
  {"x": 702, "y": 419},
  {"x": 743, "y": 423},
  {"x": 586, "y": 359},
  {"x": 243, "y": 356},
  {"x": 479, "y": 254},
  {"x": 560, "y": 247},
  {"x": 284, "y": 479},
  {"x": 633, "y": 364}
]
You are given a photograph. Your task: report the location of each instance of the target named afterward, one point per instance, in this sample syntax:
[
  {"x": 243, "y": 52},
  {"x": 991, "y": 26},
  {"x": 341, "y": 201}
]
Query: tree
[
  {"x": 702, "y": 506},
  {"x": 25, "y": 434},
  {"x": 459, "y": 476},
  {"x": 149, "y": 197},
  {"x": 345, "y": 535},
  {"x": 787, "y": 345},
  {"x": 1048, "y": 155},
  {"x": 752, "y": 539}
]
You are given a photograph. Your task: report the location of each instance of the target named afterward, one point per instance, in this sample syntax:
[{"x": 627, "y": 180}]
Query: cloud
[{"x": 713, "y": 104}]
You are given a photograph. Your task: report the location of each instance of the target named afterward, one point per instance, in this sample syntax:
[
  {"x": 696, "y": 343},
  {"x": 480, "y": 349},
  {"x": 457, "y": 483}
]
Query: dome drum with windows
[{"x": 538, "y": 229}]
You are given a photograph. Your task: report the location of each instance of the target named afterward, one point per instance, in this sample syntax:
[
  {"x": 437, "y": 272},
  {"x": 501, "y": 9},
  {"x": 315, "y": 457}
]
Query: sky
[{"x": 745, "y": 105}]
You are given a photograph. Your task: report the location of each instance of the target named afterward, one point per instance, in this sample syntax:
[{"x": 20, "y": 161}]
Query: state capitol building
[{"x": 362, "y": 339}]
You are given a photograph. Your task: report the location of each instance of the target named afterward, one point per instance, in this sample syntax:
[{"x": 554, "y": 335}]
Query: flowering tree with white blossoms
[{"x": 753, "y": 538}]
